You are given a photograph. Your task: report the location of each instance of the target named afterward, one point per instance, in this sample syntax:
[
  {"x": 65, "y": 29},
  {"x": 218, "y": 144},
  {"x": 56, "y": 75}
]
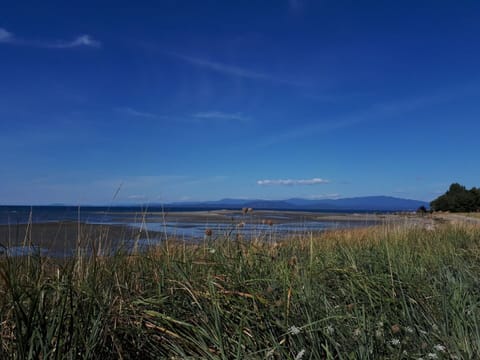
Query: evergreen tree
[{"x": 458, "y": 199}]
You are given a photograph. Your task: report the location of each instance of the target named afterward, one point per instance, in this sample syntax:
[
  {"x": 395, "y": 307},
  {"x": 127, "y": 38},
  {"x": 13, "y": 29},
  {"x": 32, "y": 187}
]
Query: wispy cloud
[
  {"x": 376, "y": 112},
  {"x": 293, "y": 182},
  {"x": 219, "y": 115},
  {"x": 324, "y": 196},
  {"x": 220, "y": 67},
  {"x": 230, "y": 70},
  {"x": 136, "y": 197},
  {"x": 83, "y": 40},
  {"x": 132, "y": 112},
  {"x": 336, "y": 98},
  {"x": 309, "y": 129},
  {"x": 5, "y": 36}
]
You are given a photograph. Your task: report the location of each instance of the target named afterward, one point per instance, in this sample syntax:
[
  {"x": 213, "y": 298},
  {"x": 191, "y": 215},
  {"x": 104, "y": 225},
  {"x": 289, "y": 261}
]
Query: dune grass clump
[{"x": 383, "y": 292}]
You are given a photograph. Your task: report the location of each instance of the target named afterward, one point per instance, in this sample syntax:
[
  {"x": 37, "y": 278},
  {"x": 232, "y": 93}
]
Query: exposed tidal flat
[
  {"x": 57, "y": 233},
  {"x": 406, "y": 288}
]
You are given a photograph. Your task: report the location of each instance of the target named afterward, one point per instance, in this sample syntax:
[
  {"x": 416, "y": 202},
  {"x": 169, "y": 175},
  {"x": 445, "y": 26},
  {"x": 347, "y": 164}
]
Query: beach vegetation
[{"x": 384, "y": 292}]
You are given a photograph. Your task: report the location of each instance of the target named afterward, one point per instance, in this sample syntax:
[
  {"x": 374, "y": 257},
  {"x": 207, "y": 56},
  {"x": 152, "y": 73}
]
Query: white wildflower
[
  {"x": 432, "y": 356},
  {"x": 212, "y": 251},
  {"x": 357, "y": 332},
  {"x": 440, "y": 348},
  {"x": 395, "y": 342},
  {"x": 409, "y": 329},
  {"x": 380, "y": 324},
  {"x": 379, "y": 333},
  {"x": 294, "y": 330},
  {"x": 330, "y": 330},
  {"x": 300, "y": 355}
]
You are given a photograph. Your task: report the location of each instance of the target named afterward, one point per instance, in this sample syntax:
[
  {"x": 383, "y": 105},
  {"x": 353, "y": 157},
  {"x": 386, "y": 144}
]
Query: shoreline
[{"x": 61, "y": 237}]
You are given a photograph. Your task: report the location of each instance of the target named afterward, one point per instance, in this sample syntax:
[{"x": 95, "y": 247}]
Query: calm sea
[{"x": 91, "y": 214}]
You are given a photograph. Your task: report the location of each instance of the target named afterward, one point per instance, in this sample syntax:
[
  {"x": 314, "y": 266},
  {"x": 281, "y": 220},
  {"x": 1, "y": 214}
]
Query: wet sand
[
  {"x": 277, "y": 216},
  {"x": 282, "y": 217},
  {"x": 61, "y": 237}
]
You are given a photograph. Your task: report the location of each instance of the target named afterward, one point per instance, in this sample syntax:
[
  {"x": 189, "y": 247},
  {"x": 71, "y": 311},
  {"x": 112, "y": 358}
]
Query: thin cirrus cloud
[
  {"x": 230, "y": 70},
  {"x": 6, "y": 37},
  {"x": 82, "y": 40},
  {"x": 136, "y": 113},
  {"x": 293, "y": 182},
  {"x": 374, "y": 113},
  {"x": 219, "y": 115},
  {"x": 332, "y": 196},
  {"x": 136, "y": 197}
]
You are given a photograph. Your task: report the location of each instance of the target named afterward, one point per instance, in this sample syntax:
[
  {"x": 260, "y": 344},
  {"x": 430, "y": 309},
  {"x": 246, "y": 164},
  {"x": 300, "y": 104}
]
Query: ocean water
[
  {"x": 97, "y": 214},
  {"x": 41, "y": 214}
]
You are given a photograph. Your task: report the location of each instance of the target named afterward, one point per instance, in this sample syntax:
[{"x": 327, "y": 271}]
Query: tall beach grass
[{"x": 386, "y": 292}]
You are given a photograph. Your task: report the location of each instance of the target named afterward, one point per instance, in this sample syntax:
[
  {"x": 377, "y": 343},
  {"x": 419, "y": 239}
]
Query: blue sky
[{"x": 202, "y": 100}]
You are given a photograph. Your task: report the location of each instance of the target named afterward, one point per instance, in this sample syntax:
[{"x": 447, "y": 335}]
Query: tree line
[{"x": 458, "y": 199}]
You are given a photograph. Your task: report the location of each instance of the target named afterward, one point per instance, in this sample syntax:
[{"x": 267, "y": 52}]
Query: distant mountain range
[{"x": 366, "y": 203}]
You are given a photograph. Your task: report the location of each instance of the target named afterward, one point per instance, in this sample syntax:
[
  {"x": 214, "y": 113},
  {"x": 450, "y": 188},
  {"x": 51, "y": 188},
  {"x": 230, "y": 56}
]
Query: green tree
[
  {"x": 457, "y": 199},
  {"x": 476, "y": 196}
]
